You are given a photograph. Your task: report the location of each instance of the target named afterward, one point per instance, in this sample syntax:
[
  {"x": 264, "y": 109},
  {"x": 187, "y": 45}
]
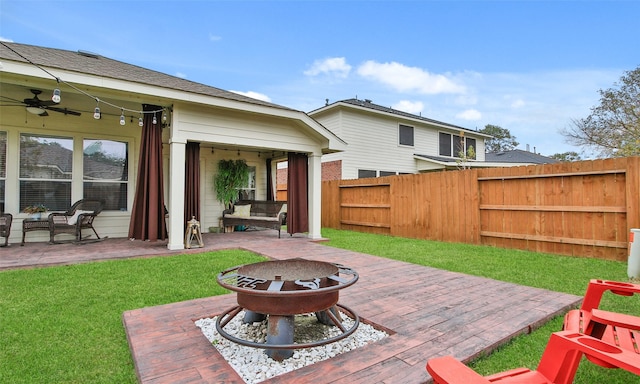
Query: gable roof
[
  {"x": 369, "y": 105},
  {"x": 93, "y": 64},
  {"x": 518, "y": 156}
]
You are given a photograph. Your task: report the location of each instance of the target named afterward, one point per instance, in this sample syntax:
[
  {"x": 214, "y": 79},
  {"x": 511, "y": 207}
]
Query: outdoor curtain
[
  {"x": 297, "y": 199},
  {"x": 192, "y": 182},
  {"x": 270, "y": 194},
  {"x": 147, "y": 217}
]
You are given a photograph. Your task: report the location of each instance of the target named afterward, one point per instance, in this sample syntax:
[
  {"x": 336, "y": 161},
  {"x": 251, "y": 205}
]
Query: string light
[
  {"x": 96, "y": 111},
  {"x": 97, "y": 114},
  {"x": 140, "y": 122},
  {"x": 56, "y": 95}
]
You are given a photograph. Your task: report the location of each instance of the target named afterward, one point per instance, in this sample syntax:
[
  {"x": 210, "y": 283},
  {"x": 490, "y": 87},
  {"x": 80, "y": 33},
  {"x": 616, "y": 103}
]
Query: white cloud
[
  {"x": 469, "y": 114},
  {"x": 414, "y": 107},
  {"x": 181, "y": 75},
  {"x": 333, "y": 66},
  {"x": 253, "y": 95},
  {"x": 214, "y": 37},
  {"x": 6, "y": 40},
  {"x": 517, "y": 103},
  {"x": 409, "y": 79}
]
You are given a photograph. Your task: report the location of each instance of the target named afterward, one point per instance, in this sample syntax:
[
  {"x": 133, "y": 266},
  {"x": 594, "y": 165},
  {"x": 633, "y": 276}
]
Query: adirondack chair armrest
[{"x": 448, "y": 370}]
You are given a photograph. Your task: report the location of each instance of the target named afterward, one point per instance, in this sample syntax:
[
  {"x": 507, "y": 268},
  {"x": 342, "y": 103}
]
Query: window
[
  {"x": 405, "y": 135},
  {"x": 364, "y": 173},
  {"x": 454, "y": 145},
  {"x": 3, "y": 167},
  {"x": 249, "y": 192},
  {"x": 105, "y": 172},
  {"x": 45, "y": 171},
  {"x": 387, "y": 173}
]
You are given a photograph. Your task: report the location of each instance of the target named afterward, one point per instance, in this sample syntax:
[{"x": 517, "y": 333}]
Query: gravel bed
[{"x": 254, "y": 366}]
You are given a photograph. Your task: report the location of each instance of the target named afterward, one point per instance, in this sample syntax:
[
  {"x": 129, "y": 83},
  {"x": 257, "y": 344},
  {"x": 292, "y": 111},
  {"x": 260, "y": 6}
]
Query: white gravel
[{"x": 254, "y": 366}]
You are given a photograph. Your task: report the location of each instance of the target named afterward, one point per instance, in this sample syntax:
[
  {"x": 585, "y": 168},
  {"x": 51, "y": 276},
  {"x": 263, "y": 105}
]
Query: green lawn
[
  {"x": 63, "y": 324},
  {"x": 553, "y": 272}
]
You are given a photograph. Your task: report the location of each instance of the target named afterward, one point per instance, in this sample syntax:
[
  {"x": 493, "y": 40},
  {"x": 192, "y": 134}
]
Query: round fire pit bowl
[{"x": 279, "y": 290}]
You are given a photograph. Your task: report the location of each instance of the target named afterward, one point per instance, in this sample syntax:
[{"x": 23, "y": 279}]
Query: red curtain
[
  {"x": 297, "y": 198},
  {"x": 270, "y": 194},
  {"x": 147, "y": 217},
  {"x": 192, "y": 182}
]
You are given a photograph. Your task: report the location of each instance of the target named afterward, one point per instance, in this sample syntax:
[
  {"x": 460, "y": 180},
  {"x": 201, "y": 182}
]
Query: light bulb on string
[
  {"x": 56, "y": 96},
  {"x": 122, "y": 120},
  {"x": 155, "y": 120},
  {"x": 164, "y": 116},
  {"x": 140, "y": 122}
]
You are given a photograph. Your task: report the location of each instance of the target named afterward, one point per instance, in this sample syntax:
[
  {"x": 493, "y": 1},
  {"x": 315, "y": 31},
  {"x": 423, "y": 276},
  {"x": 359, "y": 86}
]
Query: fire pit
[{"x": 279, "y": 290}]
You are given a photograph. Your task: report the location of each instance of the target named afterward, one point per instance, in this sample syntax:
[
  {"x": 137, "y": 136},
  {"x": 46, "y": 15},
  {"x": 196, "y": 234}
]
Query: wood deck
[{"x": 430, "y": 312}]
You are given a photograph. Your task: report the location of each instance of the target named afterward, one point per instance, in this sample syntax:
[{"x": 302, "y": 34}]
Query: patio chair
[
  {"x": 556, "y": 366},
  {"x": 5, "y": 227},
  {"x": 618, "y": 329},
  {"x": 80, "y": 216}
]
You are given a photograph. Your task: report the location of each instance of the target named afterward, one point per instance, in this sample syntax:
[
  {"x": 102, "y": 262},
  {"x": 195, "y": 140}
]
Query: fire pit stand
[{"x": 279, "y": 290}]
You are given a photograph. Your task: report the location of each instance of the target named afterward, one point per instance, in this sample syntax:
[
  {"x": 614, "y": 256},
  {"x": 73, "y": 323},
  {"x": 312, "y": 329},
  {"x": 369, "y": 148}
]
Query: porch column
[
  {"x": 177, "y": 158},
  {"x": 315, "y": 196}
]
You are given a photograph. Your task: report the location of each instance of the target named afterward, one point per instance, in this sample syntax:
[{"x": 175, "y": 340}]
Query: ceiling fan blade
[
  {"x": 37, "y": 102},
  {"x": 64, "y": 110}
]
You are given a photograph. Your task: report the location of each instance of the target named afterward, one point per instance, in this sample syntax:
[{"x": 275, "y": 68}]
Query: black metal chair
[
  {"x": 80, "y": 216},
  {"x": 5, "y": 227}
]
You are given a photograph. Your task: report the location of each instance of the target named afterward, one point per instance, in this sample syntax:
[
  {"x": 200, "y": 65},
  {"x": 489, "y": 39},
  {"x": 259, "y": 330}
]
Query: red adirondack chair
[{"x": 557, "y": 365}]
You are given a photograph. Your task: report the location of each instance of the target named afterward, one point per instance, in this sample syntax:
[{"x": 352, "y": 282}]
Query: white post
[
  {"x": 633, "y": 263},
  {"x": 315, "y": 196},
  {"x": 176, "y": 193}
]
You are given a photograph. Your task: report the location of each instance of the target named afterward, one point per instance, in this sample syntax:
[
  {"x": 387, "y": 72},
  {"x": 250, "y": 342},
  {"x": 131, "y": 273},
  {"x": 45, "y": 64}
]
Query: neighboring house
[
  {"x": 57, "y": 156},
  {"x": 384, "y": 141},
  {"x": 518, "y": 157}
]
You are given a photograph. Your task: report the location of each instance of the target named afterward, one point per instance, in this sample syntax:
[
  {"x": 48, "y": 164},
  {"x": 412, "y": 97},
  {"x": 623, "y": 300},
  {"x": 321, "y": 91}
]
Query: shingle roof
[
  {"x": 92, "y": 64},
  {"x": 368, "y": 104},
  {"x": 518, "y": 156}
]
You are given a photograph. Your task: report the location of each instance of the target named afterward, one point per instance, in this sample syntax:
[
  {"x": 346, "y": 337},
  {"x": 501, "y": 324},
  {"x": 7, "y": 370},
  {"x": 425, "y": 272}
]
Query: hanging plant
[{"x": 232, "y": 175}]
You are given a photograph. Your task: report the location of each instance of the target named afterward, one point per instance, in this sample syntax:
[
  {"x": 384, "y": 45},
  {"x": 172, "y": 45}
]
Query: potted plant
[
  {"x": 35, "y": 210},
  {"x": 232, "y": 175}
]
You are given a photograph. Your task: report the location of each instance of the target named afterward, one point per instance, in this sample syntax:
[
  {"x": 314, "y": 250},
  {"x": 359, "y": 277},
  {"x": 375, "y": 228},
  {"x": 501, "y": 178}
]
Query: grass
[
  {"x": 63, "y": 324},
  {"x": 552, "y": 272}
]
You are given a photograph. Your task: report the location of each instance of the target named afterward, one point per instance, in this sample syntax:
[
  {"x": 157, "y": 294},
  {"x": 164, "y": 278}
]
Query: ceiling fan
[{"x": 40, "y": 107}]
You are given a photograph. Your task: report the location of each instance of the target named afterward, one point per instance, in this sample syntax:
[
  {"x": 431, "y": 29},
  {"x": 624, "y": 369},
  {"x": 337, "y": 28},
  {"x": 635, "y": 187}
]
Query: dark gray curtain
[
  {"x": 297, "y": 197},
  {"x": 147, "y": 217},
  {"x": 192, "y": 182},
  {"x": 270, "y": 194}
]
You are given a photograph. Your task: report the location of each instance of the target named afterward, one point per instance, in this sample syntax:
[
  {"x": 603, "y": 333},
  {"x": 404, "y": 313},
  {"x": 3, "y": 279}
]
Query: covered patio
[{"x": 427, "y": 312}]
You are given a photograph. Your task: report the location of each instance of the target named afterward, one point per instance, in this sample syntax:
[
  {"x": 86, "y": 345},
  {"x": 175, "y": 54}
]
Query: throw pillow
[
  {"x": 73, "y": 219},
  {"x": 242, "y": 210}
]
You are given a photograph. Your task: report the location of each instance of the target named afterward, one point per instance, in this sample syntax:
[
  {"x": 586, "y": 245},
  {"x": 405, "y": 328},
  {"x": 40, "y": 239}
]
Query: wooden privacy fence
[{"x": 581, "y": 209}]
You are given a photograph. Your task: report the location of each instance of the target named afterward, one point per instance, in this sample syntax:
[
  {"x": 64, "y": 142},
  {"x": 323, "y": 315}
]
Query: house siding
[{"x": 372, "y": 140}]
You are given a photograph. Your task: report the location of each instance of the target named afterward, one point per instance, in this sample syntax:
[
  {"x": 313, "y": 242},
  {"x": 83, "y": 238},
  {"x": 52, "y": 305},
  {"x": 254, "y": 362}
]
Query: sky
[{"x": 531, "y": 67}]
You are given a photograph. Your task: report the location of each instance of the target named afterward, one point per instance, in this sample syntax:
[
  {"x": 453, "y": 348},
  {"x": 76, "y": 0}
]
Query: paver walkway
[{"x": 430, "y": 312}]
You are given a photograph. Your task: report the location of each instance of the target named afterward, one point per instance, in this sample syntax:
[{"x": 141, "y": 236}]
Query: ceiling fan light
[
  {"x": 35, "y": 110},
  {"x": 56, "y": 96}
]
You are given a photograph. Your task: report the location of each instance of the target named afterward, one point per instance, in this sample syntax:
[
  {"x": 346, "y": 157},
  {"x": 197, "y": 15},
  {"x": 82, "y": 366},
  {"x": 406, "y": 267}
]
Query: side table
[{"x": 29, "y": 225}]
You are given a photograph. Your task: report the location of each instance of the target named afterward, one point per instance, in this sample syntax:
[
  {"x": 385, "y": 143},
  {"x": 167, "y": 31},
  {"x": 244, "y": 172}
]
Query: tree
[
  {"x": 232, "y": 175},
  {"x": 502, "y": 139},
  {"x": 613, "y": 127},
  {"x": 567, "y": 156}
]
